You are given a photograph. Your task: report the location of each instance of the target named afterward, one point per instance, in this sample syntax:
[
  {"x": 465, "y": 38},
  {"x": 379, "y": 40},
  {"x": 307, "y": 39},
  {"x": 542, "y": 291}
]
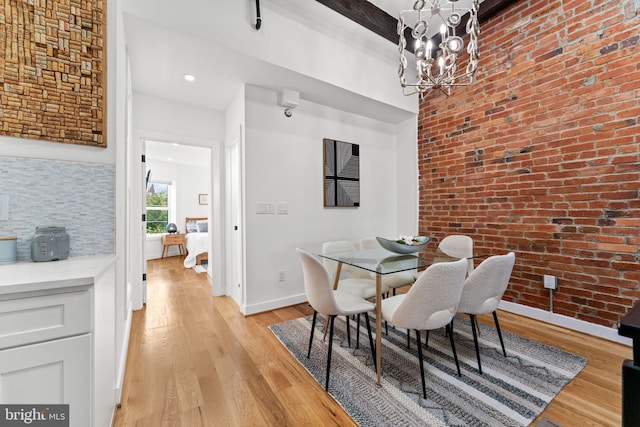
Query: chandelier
[{"x": 439, "y": 45}]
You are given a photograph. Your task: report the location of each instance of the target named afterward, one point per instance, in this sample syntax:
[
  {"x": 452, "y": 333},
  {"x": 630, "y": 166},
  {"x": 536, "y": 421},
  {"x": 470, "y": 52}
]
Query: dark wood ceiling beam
[
  {"x": 380, "y": 22},
  {"x": 366, "y": 14},
  {"x": 490, "y": 8}
]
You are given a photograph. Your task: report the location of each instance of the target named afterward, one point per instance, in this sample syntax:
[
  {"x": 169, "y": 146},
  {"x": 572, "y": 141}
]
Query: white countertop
[{"x": 32, "y": 276}]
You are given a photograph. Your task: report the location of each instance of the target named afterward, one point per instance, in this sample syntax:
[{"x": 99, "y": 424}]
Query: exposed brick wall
[
  {"x": 52, "y": 70},
  {"x": 541, "y": 156}
]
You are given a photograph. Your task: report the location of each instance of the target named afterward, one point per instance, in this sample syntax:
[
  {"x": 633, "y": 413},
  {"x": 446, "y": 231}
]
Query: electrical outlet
[
  {"x": 550, "y": 282},
  {"x": 282, "y": 276}
]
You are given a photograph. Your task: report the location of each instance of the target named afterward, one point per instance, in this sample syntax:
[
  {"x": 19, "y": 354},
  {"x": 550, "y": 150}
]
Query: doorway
[{"x": 178, "y": 185}]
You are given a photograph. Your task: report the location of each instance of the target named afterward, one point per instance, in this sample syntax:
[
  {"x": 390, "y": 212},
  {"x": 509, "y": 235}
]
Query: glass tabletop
[{"x": 382, "y": 261}]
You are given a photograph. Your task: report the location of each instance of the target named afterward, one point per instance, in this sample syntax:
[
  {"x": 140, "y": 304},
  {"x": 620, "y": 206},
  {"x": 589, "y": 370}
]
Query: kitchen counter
[
  {"x": 58, "y": 336},
  {"x": 34, "y": 277}
]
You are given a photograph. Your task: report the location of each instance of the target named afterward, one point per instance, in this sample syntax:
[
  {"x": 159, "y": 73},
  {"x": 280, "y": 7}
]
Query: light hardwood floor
[{"x": 194, "y": 360}]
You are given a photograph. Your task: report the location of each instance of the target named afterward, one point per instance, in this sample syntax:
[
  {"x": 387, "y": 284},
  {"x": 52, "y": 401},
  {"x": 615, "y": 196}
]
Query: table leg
[
  {"x": 337, "y": 278},
  {"x": 335, "y": 286},
  {"x": 378, "y": 326}
]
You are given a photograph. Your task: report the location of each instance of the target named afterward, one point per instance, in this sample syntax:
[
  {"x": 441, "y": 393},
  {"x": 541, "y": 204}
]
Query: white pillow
[{"x": 192, "y": 227}]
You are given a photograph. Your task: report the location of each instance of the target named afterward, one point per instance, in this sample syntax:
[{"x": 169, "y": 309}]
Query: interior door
[{"x": 235, "y": 284}]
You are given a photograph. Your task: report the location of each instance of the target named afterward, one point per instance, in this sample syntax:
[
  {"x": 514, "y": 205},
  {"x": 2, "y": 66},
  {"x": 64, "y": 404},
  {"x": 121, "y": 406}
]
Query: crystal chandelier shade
[{"x": 437, "y": 57}]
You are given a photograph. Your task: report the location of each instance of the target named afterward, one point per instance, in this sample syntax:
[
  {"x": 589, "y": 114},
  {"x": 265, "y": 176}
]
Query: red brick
[{"x": 571, "y": 103}]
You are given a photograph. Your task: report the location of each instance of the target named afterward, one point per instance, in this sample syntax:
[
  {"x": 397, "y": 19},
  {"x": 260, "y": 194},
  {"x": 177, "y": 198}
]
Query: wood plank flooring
[{"x": 194, "y": 360}]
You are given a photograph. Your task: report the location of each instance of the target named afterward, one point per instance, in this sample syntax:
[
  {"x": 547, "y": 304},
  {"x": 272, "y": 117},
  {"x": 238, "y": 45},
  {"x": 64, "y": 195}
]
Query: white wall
[
  {"x": 319, "y": 51},
  {"x": 156, "y": 118},
  {"x": 118, "y": 90},
  {"x": 188, "y": 181},
  {"x": 284, "y": 163},
  {"x": 407, "y": 183}
]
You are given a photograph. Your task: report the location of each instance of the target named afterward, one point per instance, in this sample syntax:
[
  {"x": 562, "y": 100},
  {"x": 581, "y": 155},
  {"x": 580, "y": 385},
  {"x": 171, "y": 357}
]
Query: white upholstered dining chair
[
  {"x": 393, "y": 280},
  {"x": 324, "y": 300},
  {"x": 359, "y": 282},
  {"x": 430, "y": 304},
  {"x": 458, "y": 246},
  {"x": 483, "y": 290}
]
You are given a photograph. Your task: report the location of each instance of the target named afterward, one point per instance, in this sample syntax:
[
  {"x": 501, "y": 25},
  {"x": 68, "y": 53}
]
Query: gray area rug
[{"x": 512, "y": 391}]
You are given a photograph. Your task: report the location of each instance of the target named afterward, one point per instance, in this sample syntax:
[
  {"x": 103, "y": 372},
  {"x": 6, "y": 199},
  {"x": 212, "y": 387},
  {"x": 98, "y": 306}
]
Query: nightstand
[{"x": 173, "y": 239}]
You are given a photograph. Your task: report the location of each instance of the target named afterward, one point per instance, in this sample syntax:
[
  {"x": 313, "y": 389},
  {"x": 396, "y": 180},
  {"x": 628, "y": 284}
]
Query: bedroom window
[{"x": 159, "y": 197}]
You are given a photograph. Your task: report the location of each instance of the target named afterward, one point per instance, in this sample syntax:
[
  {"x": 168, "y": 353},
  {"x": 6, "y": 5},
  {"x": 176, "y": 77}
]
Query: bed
[{"x": 196, "y": 241}]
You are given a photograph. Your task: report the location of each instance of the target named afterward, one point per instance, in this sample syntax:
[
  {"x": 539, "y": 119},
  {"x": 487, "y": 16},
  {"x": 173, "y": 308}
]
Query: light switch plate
[
  {"x": 283, "y": 208},
  {"x": 265, "y": 208}
]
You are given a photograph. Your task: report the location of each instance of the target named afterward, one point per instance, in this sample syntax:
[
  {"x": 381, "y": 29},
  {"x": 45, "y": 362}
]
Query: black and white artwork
[{"x": 341, "y": 174}]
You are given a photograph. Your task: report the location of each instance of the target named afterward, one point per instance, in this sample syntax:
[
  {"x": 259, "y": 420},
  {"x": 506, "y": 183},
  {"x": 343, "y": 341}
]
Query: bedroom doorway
[{"x": 178, "y": 180}]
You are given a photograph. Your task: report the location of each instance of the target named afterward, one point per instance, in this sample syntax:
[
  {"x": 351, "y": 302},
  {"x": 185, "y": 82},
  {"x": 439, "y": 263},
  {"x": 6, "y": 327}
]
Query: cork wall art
[{"x": 53, "y": 70}]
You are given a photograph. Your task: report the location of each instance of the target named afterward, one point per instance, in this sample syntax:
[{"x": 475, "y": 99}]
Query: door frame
[{"x": 216, "y": 268}]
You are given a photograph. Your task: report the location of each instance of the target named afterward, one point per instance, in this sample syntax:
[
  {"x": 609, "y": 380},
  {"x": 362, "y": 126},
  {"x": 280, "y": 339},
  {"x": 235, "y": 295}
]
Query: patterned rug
[{"x": 512, "y": 391}]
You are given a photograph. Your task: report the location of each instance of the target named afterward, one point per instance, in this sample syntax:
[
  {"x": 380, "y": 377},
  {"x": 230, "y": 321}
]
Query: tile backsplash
[{"x": 76, "y": 195}]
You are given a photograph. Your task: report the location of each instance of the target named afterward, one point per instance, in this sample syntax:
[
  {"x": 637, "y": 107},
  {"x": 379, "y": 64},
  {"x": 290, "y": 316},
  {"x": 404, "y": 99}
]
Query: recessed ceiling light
[{"x": 190, "y": 77}]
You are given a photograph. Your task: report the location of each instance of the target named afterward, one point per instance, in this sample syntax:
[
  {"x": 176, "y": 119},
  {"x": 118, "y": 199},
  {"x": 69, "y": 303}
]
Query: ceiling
[
  {"x": 160, "y": 56},
  {"x": 177, "y": 153}
]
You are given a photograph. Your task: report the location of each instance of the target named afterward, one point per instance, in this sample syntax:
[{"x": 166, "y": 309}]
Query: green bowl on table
[{"x": 401, "y": 247}]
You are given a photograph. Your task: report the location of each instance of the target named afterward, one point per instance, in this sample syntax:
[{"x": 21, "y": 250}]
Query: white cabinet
[
  {"x": 51, "y": 372},
  {"x": 57, "y": 337}
]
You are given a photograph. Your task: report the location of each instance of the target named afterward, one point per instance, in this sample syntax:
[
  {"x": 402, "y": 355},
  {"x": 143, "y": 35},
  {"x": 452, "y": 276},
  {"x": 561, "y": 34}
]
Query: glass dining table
[{"x": 382, "y": 262}]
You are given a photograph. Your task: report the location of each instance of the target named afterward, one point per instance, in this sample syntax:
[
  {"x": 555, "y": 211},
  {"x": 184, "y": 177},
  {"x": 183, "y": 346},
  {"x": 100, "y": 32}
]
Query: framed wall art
[
  {"x": 53, "y": 68},
  {"x": 341, "y": 174}
]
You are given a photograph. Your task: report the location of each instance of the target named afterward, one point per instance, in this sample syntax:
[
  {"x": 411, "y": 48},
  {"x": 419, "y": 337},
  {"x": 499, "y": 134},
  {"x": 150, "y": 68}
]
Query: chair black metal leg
[
  {"x": 472, "y": 317},
  {"x": 424, "y": 386},
  {"x": 348, "y": 332},
  {"x": 445, "y": 331},
  {"x": 478, "y": 327},
  {"x": 495, "y": 319},
  {"x": 326, "y": 384},
  {"x": 453, "y": 348},
  {"x": 426, "y": 340},
  {"x": 373, "y": 347},
  {"x": 358, "y": 332},
  {"x": 386, "y": 327},
  {"x": 313, "y": 328},
  {"x": 409, "y": 338}
]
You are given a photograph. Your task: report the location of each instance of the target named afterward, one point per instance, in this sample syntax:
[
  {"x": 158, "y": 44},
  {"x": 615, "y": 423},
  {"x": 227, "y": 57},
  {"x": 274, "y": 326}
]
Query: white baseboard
[
  {"x": 274, "y": 304},
  {"x": 599, "y": 331}
]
